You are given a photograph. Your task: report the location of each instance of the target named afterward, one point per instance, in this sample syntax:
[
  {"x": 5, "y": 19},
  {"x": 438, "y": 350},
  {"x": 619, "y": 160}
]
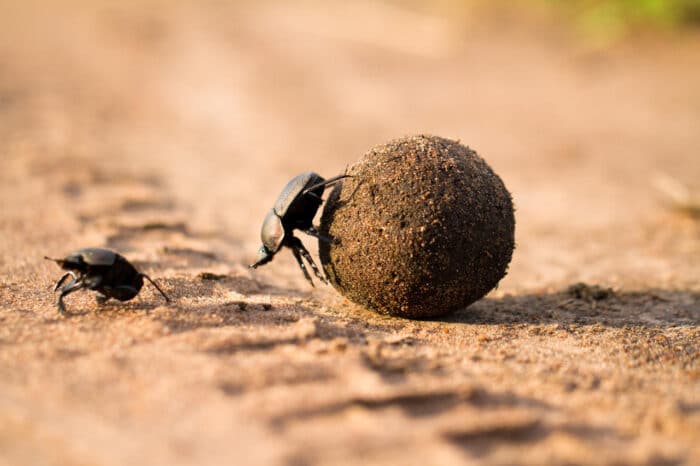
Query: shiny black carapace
[
  {"x": 101, "y": 270},
  {"x": 295, "y": 209}
]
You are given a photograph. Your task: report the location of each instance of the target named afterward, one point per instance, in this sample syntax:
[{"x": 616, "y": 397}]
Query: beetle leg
[
  {"x": 312, "y": 194},
  {"x": 92, "y": 282},
  {"x": 63, "y": 279},
  {"x": 325, "y": 183},
  {"x": 74, "y": 285},
  {"x": 314, "y": 232},
  {"x": 167, "y": 300},
  {"x": 310, "y": 260},
  {"x": 101, "y": 299},
  {"x": 297, "y": 255},
  {"x": 305, "y": 254}
]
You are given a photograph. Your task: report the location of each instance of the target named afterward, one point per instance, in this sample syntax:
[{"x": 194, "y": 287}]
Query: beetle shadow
[
  {"x": 207, "y": 284},
  {"x": 324, "y": 247},
  {"x": 582, "y": 304},
  {"x": 333, "y": 199},
  {"x": 204, "y": 287},
  {"x": 88, "y": 305},
  {"x": 259, "y": 310}
]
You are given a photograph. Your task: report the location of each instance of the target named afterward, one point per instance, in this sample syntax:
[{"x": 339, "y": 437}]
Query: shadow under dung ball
[{"x": 422, "y": 228}]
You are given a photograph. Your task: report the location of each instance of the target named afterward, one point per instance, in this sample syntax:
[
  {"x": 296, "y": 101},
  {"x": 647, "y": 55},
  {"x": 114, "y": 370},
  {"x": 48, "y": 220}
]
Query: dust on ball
[{"x": 423, "y": 227}]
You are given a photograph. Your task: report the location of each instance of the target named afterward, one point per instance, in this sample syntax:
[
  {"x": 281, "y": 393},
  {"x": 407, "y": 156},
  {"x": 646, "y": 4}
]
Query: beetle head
[
  {"x": 272, "y": 232},
  {"x": 272, "y": 236},
  {"x": 72, "y": 262},
  {"x": 264, "y": 256}
]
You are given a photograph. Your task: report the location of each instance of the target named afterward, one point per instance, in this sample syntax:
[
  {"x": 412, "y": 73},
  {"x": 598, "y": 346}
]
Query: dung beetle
[
  {"x": 295, "y": 209},
  {"x": 102, "y": 270}
]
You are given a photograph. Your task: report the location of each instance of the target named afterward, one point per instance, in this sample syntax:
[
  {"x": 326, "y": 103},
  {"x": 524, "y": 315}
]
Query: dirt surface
[{"x": 166, "y": 131}]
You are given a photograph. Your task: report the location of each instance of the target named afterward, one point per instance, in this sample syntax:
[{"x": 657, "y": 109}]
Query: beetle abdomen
[
  {"x": 293, "y": 190},
  {"x": 120, "y": 274}
]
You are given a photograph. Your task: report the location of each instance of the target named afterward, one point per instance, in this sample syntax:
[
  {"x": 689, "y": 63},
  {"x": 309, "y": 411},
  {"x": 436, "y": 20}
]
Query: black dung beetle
[
  {"x": 102, "y": 270},
  {"x": 295, "y": 209}
]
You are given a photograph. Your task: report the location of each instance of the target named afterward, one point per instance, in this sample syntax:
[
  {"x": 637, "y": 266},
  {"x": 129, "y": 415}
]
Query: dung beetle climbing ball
[
  {"x": 295, "y": 209},
  {"x": 101, "y": 270},
  {"x": 423, "y": 227}
]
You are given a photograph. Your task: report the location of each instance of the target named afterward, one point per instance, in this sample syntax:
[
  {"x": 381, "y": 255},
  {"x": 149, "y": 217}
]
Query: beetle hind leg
[
  {"x": 312, "y": 231},
  {"x": 167, "y": 300},
  {"x": 325, "y": 183}
]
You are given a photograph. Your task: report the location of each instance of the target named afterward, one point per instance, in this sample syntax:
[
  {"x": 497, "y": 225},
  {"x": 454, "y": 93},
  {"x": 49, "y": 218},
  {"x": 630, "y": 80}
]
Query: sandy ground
[{"x": 166, "y": 131}]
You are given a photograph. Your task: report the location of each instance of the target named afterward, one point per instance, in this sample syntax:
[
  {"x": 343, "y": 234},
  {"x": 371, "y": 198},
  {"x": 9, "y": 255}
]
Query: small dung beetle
[
  {"x": 295, "y": 209},
  {"x": 102, "y": 270}
]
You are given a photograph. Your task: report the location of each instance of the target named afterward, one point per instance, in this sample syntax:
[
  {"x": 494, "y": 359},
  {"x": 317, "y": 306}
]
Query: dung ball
[{"x": 421, "y": 228}]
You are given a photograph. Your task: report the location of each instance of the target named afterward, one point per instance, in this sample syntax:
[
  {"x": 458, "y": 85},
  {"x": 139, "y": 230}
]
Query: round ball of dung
[{"x": 422, "y": 227}]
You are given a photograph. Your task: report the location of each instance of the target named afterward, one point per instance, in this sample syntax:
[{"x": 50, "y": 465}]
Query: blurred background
[{"x": 578, "y": 105}]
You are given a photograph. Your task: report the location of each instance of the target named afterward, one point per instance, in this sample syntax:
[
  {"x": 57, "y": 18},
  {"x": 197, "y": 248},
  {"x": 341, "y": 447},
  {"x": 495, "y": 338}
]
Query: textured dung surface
[{"x": 423, "y": 227}]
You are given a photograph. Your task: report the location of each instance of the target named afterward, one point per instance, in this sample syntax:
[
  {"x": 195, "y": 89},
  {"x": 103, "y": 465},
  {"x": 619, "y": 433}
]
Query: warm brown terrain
[{"x": 166, "y": 131}]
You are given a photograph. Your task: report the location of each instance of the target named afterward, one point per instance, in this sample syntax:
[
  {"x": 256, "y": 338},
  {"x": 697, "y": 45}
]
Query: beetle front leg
[
  {"x": 297, "y": 256},
  {"x": 74, "y": 285},
  {"x": 63, "y": 279}
]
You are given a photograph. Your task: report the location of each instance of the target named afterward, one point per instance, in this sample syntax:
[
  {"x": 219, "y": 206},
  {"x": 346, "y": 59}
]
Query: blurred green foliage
[
  {"x": 597, "y": 22},
  {"x": 608, "y": 20}
]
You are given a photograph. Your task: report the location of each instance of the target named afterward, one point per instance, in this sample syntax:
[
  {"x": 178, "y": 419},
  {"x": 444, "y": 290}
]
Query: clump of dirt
[
  {"x": 587, "y": 292},
  {"x": 421, "y": 228}
]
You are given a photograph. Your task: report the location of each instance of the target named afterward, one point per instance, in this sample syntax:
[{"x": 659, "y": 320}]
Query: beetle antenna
[
  {"x": 326, "y": 183},
  {"x": 167, "y": 300}
]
